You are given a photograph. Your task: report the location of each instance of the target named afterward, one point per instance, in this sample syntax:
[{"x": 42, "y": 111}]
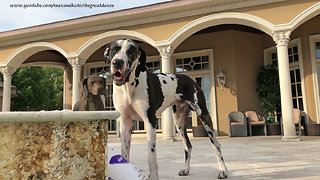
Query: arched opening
[
  {"x": 220, "y": 19},
  {"x": 239, "y": 51},
  {"x": 40, "y": 82}
]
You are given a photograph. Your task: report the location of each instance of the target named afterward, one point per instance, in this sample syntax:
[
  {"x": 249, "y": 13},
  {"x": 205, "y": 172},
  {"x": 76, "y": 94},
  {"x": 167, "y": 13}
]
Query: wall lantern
[{"x": 221, "y": 77}]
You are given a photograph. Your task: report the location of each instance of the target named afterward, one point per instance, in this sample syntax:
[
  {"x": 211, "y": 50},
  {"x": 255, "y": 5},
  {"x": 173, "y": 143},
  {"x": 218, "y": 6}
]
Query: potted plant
[{"x": 268, "y": 91}]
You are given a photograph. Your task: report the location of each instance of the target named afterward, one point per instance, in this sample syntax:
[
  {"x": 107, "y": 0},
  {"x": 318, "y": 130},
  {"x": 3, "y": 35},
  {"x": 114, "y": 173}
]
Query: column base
[
  {"x": 290, "y": 139},
  {"x": 168, "y": 139}
]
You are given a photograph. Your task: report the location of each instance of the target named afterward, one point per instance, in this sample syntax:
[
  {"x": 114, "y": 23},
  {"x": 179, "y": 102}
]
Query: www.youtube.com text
[{"x": 56, "y": 5}]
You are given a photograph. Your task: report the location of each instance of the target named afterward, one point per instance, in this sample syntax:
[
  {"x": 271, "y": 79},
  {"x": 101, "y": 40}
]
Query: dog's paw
[
  {"x": 222, "y": 175},
  {"x": 183, "y": 173}
]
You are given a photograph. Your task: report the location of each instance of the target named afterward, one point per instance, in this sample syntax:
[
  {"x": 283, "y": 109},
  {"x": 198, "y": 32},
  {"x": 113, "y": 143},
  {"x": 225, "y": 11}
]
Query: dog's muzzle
[{"x": 118, "y": 72}]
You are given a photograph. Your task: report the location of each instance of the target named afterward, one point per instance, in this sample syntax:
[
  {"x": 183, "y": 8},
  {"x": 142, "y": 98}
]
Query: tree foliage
[
  {"x": 268, "y": 90},
  {"x": 38, "y": 88}
]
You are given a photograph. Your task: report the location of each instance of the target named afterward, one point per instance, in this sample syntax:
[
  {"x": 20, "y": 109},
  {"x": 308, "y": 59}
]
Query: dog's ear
[
  {"x": 85, "y": 90},
  {"x": 106, "y": 54},
  {"x": 142, "y": 60}
]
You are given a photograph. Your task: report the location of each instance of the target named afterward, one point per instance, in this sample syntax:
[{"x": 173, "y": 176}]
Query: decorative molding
[
  {"x": 101, "y": 39},
  {"x": 19, "y": 56},
  {"x": 76, "y": 63},
  {"x": 282, "y": 37},
  {"x": 124, "y": 21},
  {"x": 7, "y": 71},
  {"x": 217, "y": 19},
  {"x": 44, "y": 63},
  {"x": 165, "y": 51}
]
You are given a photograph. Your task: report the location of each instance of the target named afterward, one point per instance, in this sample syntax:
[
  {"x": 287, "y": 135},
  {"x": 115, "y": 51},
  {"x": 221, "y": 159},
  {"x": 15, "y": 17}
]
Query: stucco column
[
  {"x": 7, "y": 76},
  {"x": 168, "y": 129},
  {"x": 282, "y": 39},
  {"x": 76, "y": 64}
]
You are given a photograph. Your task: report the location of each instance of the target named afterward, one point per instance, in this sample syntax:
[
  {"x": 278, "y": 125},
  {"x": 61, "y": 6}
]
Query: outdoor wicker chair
[
  {"x": 299, "y": 121},
  {"x": 256, "y": 121},
  {"x": 237, "y": 124}
]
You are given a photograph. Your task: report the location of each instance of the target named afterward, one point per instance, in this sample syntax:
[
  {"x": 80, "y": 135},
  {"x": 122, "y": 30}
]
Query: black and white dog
[{"x": 142, "y": 95}]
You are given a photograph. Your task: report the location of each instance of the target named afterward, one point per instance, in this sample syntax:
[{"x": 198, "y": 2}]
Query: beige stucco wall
[
  {"x": 275, "y": 13},
  {"x": 281, "y": 12}
]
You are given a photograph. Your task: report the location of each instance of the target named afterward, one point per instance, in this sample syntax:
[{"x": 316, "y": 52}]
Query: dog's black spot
[
  {"x": 164, "y": 82},
  {"x": 128, "y": 76},
  {"x": 188, "y": 143},
  {"x": 185, "y": 87},
  {"x": 132, "y": 84},
  {"x": 163, "y": 74},
  {"x": 211, "y": 140},
  {"x": 186, "y": 155},
  {"x": 137, "y": 82},
  {"x": 156, "y": 97},
  {"x": 172, "y": 78},
  {"x": 174, "y": 108},
  {"x": 179, "y": 127},
  {"x": 137, "y": 72},
  {"x": 142, "y": 60},
  {"x": 152, "y": 149}
]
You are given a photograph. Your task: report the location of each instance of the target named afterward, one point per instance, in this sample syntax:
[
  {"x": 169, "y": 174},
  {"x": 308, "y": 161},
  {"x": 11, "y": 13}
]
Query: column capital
[
  {"x": 7, "y": 70},
  {"x": 76, "y": 63},
  {"x": 282, "y": 38},
  {"x": 165, "y": 51}
]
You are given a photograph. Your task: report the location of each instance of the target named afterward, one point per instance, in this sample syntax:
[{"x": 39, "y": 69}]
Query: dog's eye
[
  {"x": 117, "y": 48},
  {"x": 92, "y": 83}
]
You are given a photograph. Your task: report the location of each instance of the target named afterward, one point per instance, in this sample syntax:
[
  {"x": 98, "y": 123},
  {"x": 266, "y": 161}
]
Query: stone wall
[{"x": 53, "y": 150}]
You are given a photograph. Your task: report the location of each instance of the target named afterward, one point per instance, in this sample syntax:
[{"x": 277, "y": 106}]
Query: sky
[{"x": 16, "y": 14}]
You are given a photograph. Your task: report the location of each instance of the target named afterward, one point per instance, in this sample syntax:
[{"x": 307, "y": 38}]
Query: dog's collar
[{"x": 89, "y": 99}]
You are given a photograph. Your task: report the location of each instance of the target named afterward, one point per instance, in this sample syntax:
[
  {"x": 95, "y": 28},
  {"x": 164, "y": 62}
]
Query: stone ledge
[{"x": 53, "y": 150}]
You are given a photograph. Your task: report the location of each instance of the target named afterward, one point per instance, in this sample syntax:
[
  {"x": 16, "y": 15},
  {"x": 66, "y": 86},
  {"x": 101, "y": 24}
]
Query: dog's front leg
[
  {"x": 152, "y": 157},
  {"x": 125, "y": 133}
]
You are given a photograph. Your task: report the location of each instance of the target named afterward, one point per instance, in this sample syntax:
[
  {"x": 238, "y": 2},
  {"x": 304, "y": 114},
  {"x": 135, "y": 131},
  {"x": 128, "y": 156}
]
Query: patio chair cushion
[
  {"x": 252, "y": 116},
  {"x": 296, "y": 115},
  {"x": 237, "y": 123},
  {"x": 253, "y": 123}
]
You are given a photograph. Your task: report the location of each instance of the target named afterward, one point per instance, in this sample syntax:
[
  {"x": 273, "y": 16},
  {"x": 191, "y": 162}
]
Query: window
[
  {"x": 317, "y": 61},
  {"x": 274, "y": 58},
  {"x": 153, "y": 66},
  {"x": 293, "y": 54},
  {"x": 99, "y": 70},
  {"x": 296, "y": 89},
  {"x": 204, "y": 83},
  {"x": 192, "y": 63},
  {"x": 295, "y": 71},
  {"x": 319, "y": 75},
  {"x": 318, "y": 50}
]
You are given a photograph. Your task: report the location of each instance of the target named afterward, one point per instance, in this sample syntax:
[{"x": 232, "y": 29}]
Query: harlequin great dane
[{"x": 142, "y": 95}]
